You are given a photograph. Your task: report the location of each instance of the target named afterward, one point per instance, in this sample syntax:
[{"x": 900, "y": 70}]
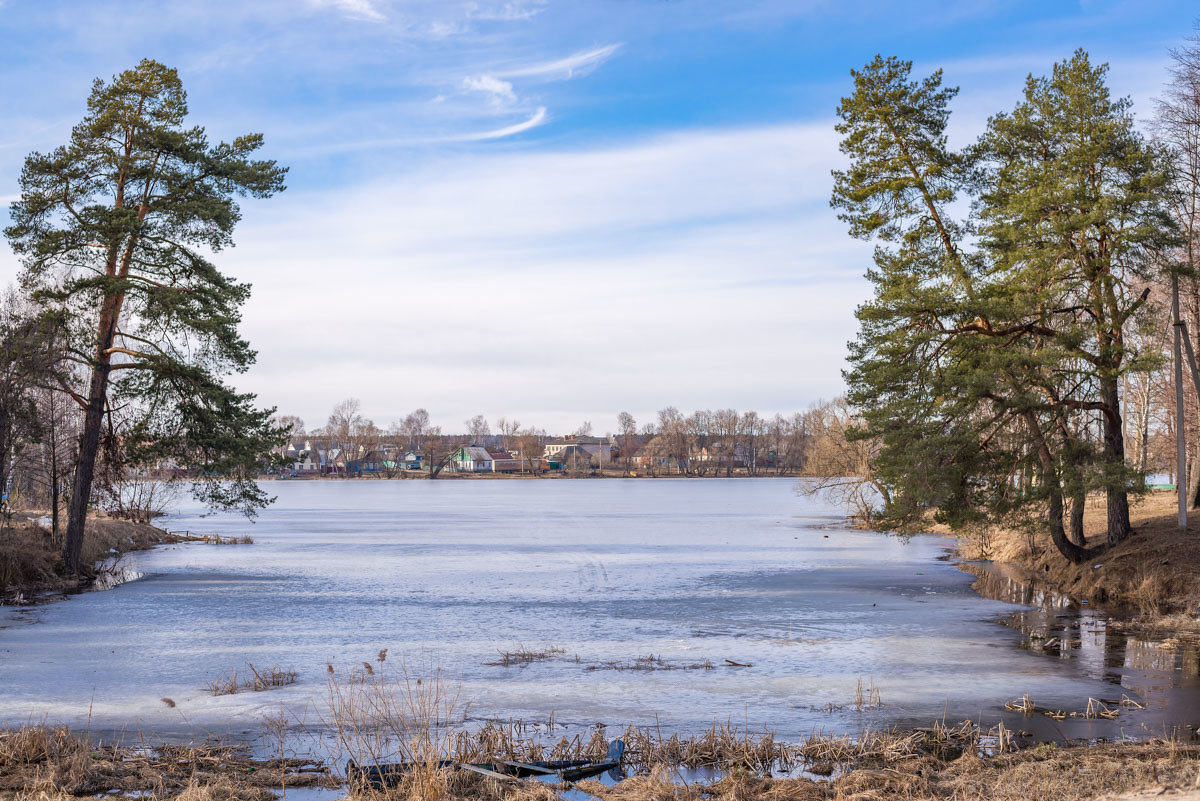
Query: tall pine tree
[
  {"x": 113, "y": 229},
  {"x": 973, "y": 366},
  {"x": 1075, "y": 209}
]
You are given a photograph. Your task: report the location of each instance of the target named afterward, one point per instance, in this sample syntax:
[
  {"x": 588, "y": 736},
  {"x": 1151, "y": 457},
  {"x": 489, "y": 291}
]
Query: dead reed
[
  {"x": 722, "y": 746},
  {"x": 224, "y": 684},
  {"x": 258, "y": 680},
  {"x": 1024, "y": 705},
  {"x": 217, "y": 539},
  {"x": 940, "y": 762},
  {"x": 383, "y": 715},
  {"x": 274, "y": 676},
  {"x": 524, "y": 656},
  {"x": 53, "y": 762},
  {"x": 868, "y": 697},
  {"x": 652, "y": 662},
  {"x": 1096, "y": 708}
]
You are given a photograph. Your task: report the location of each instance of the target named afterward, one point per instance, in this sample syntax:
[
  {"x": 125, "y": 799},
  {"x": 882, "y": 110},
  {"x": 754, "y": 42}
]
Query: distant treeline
[{"x": 704, "y": 442}]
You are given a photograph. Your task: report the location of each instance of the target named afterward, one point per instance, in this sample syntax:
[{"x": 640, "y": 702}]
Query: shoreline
[
  {"x": 607, "y": 473},
  {"x": 30, "y": 557},
  {"x": 934, "y": 762},
  {"x": 1150, "y": 583}
]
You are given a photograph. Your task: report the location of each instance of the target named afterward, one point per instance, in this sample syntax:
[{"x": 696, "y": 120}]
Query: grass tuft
[
  {"x": 258, "y": 680},
  {"x": 524, "y": 656}
]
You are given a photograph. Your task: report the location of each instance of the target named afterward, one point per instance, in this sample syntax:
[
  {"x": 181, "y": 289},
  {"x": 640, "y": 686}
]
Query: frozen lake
[{"x": 609, "y": 571}]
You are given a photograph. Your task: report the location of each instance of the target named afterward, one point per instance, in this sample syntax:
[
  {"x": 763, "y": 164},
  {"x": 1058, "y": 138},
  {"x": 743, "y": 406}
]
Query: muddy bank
[
  {"x": 1153, "y": 676},
  {"x": 1151, "y": 581},
  {"x": 31, "y": 560}
]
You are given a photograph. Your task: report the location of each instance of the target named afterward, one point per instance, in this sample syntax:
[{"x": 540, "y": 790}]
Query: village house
[
  {"x": 598, "y": 447},
  {"x": 302, "y": 457},
  {"x": 470, "y": 459},
  {"x": 573, "y": 457},
  {"x": 504, "y": 461}
]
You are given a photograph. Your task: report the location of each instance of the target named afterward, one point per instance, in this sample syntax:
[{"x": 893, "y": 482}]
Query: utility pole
[{"x": 1180, "y": 447}]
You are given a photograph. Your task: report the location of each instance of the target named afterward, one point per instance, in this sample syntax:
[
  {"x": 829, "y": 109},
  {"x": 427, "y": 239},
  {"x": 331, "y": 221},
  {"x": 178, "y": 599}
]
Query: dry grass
[
  {"x": 266, "y": 679},
  {"x": 868, "y": 697},
  {"x": 722, "y": 746},
  {"x": 30, "y": 562},
  {"x": 1061, "y": 774},
  {"x": 938, "y": 763},
  {"x": 651, "y": 662},
  {"x": 522, "y": 655},
  {"x": 217, "y": 539},
  {"x": 257, "y": 681},
  {"x": 380, "y": 717},
  {"x": 225, "y": 684},
  {"x": 53, "y": 762},
  {"x": 1152, "y": 572}
]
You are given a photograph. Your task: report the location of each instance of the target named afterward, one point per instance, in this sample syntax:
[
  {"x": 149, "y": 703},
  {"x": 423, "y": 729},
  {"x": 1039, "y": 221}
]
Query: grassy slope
[
  {"x": 29, "y": 556},
  {"x": 1156, "y": 572}
]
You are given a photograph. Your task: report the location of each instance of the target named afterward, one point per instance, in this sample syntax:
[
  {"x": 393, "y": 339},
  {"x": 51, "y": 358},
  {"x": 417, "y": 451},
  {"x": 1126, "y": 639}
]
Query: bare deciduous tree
[
  {"x": 529, "y": 444},
  {"x": 294, "y": 424},
  {"x": 840, "y": 465},
  {"x": 508, "y": 431},
  {"x": 477, "y": 429},
  {"x": 628, "y": 428},
  {"x": 1177, "y": 125}
]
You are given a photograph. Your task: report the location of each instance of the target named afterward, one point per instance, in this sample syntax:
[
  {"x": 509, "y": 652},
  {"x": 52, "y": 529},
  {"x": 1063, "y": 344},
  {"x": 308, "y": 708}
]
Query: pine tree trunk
[
  {"x": 89, "y": 438},
  {"x": 1054, "y": 510},
  {"x": 1114, "y": 453},
  {"x": 1078, "y": 502},
  {"x": 85, "y": 468}
]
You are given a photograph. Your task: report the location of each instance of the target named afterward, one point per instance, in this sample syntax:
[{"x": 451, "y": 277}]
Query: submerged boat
[{"x": 389, "y": 774}]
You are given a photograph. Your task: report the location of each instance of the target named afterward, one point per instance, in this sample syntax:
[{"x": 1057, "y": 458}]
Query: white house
[{"x": 470, "y": 459}]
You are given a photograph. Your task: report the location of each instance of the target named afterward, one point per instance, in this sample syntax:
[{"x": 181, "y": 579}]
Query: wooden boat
[{"x": 389, "y": 774}]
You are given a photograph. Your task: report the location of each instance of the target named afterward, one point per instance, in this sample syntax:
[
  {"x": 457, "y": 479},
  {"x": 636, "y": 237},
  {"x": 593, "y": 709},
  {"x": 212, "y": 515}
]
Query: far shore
[{"x": 423, "y": 475}]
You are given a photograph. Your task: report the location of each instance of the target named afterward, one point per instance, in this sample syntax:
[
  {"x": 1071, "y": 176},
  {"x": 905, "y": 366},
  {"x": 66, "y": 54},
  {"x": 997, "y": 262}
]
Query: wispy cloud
[
  {"x": 356, "y": 9},
  {"x": 539, "y": 117},
  {"x": 500, "y": 91},
  {"x": 534, "y": 121},
  {"x": 632, "y": 239},
  {"x": 509, "y": 12},
  {"x": 572, "y": 66}
]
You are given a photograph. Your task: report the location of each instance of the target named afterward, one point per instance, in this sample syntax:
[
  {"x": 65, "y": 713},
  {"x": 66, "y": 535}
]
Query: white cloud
[
  {"x": 538, "y": 117},
  {"x": 356, "y": 9},
  {"x": 500, "y": 91},
  {"x": 572, "y": 66},
  {"x": 509, "y": 12},
  {"x": 700, "y": 269}
]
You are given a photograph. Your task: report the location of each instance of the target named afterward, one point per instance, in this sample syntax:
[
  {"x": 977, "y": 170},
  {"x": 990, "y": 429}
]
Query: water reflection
[{"x": 1161, "y": 674}]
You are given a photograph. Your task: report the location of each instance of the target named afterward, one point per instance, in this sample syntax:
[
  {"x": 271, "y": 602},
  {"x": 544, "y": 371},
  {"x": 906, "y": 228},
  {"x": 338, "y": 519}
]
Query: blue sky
[{"x": 548, "y": 210}]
